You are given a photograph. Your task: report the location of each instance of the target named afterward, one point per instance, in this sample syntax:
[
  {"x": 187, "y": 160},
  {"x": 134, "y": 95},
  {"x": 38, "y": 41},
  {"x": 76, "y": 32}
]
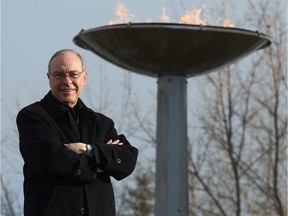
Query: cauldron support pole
[{"x": 171, "y": 152}]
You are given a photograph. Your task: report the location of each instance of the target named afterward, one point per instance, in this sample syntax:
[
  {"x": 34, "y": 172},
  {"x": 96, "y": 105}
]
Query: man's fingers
[{"x": 115, "y": 142}]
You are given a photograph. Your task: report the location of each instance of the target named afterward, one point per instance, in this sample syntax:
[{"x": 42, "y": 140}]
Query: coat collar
[
  {"x": 58, "y": 108},
  {"x": 84, "y": 131}
]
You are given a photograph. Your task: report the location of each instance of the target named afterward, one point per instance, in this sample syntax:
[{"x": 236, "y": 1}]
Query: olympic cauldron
[{"x": 172, "y": 53}]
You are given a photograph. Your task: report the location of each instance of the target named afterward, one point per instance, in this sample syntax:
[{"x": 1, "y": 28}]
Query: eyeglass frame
[{"x": 63, "y": 75}]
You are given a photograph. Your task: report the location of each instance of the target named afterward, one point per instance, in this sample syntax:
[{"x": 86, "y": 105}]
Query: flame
[
  {"x": 124, "y": 15},
  {"x": 164, "y": 17},
  {"x": 194, "y": 17},
  {"x": 227, "y": 23}
]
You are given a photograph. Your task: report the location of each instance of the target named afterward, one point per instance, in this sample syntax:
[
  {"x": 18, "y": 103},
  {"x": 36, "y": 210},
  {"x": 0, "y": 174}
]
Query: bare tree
[
  {"x": 240, "y": 160},
  {"x": 9, "y": 200}
]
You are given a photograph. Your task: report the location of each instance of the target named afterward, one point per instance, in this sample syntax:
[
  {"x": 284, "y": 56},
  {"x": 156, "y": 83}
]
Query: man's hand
[
  {"x": 78, "y": 147},
  {"x": 115, "y": 142}
]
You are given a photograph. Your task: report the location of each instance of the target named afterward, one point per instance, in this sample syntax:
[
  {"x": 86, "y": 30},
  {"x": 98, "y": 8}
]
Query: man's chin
[{"x": 70, "y": 101}]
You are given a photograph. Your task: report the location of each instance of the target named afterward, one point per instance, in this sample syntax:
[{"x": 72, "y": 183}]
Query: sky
[{"x": 32, "y": 30}]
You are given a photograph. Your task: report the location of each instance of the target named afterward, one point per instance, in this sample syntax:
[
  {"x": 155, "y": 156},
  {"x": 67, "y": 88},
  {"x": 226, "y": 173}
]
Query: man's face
[{"x": 67, "y": 89}]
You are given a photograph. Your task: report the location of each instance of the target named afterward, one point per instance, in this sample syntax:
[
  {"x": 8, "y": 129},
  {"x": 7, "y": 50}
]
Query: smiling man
[
  {"x": 67, "y": 77},
  {"x": 69, "y": 151}
]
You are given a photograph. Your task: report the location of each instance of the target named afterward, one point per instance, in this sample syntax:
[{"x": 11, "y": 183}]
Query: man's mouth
[{"x": 67, "y": 89}]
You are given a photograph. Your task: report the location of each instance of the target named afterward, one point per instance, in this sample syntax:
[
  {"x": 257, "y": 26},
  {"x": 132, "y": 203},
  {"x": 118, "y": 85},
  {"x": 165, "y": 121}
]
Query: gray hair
[{"x": 60, "y": 52}]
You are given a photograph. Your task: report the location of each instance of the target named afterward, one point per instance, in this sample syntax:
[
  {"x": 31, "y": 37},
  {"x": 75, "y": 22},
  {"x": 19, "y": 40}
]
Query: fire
[
  {"x": 228, "y": 23},
  {"x": 164, "y": 17},
  {"x": 196, "y": 16},
  {"x": 124, "y": 15}
]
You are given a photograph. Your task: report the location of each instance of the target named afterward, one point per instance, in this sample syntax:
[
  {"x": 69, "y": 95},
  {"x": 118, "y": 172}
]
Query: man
[{"x": 69, "y": 150}]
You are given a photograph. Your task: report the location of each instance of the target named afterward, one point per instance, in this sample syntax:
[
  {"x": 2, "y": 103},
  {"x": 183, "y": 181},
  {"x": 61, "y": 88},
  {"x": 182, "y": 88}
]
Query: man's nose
[{"x": 67, "y": 79}]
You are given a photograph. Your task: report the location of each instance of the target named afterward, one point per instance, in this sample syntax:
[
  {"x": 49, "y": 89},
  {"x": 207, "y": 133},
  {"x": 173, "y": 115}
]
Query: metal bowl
[{"x": 157, "y": 49}]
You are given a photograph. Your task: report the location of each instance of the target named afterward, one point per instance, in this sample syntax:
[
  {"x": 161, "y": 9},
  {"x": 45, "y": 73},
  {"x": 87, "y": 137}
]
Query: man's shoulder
[
  {"x": 32, "y": 110},
  {"x": 36, "y": 106}
]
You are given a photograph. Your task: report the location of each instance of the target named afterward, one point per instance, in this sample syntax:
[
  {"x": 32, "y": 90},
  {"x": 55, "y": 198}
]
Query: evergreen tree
[{"x": 139, "y": 199}]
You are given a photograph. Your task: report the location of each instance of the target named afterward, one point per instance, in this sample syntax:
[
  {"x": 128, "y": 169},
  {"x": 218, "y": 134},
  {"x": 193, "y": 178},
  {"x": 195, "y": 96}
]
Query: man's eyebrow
[{"x": 71, "y": 71}]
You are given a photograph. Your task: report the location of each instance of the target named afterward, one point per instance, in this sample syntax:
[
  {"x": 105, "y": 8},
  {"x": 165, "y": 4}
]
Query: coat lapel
[
  {"x": 87, "y": 124},
  {"x": 63, "y": 117}
]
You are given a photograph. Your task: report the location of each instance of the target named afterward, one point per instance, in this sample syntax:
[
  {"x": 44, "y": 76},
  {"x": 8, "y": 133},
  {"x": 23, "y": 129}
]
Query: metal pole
[{"x": 171, "y": 152}]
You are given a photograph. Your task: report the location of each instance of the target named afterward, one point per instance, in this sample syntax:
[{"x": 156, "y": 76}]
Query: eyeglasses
[{"x": 73, "y": 75}]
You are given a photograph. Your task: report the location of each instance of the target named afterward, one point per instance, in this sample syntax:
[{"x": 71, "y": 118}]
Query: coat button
[
  {"x": 119, "y": 160},
  {"x": 82, "y": 211},
  {"x": 79, "y": 172}
]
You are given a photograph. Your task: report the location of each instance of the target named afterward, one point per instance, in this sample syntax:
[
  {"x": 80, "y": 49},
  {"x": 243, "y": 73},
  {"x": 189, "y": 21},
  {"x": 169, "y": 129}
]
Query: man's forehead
[{"x": 67, "y": 59}]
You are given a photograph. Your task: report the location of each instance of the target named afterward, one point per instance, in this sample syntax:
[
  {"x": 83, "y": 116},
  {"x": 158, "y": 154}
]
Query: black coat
[{"x": 59, "y": 182}]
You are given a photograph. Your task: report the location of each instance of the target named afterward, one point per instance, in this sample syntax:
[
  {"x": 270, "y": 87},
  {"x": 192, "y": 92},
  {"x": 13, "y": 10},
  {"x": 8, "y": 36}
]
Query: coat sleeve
[
  {"x": 117, "y": 161},
  {"x": 44, "y": 153}
]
